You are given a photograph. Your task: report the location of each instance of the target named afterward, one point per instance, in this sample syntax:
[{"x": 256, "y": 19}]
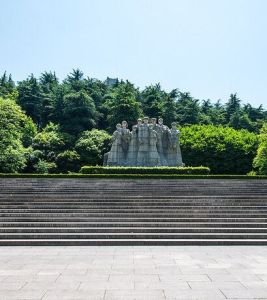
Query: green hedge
[
  {"x": 145, "y": 170},
  {"x": 130, "y": 176}
]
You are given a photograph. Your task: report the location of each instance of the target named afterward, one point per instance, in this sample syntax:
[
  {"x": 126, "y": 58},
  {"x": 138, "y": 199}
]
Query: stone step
[
  {"x": 132, "y": 212},
  {"x": 136, "y": 196},
  {"x": 134, "y": 219},
  {"x": 78, "y": 207},
  {"x": 130, "y": 235},
  {"x": 106, "y": 193},
  {"x": 133, "y": 242},
  {"x": 135, "y": 210},
  {"x": 186, "y": 202},
  {"x": 160, "y": 214},
  {"x": 162, "y": 230},
  {"x": 149, "y": 225}
]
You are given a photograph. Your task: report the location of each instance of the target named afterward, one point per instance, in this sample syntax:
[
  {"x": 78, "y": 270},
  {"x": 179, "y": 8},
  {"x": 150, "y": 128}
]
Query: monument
[{"x": 149, "y": 144}]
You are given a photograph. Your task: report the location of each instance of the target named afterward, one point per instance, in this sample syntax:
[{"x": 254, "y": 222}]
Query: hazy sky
[{"x": 210, "y": 48}]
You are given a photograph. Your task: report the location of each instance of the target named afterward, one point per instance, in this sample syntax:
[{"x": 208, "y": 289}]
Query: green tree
[
  {"x": 151, "y": 99},
  {"x": 30, "y": 98},
  {"x": 68, "y": 161},
  {"x": 169, "y": 113},
  {"x": 7, "y": 87},
  {"x": 76, "y": 81},
  {"x": 45, "y": 167},
  {"x": 97, "y": 90},
  {"x": 232, "y": 106},
  {"x": 260, "y": 161},
  {"x": 92, "y": 145},
  {"x": 223, "y": 149},
  {"x": 121, "y": 104},
  {"x": 48, "y": 143},
  {"x": 29, "y": 131},
  {"x": 240, "y": 120},
  {"x": 49, "y": 139},
  {"x": 49, "y": 84},
  {"x": 79, "y": 113},
  {"x": 13, "y": 129},
  {"x": 188, "y": 109},
  {"x": 48, "y": 81},
  {"x": 213, "y": 114}
]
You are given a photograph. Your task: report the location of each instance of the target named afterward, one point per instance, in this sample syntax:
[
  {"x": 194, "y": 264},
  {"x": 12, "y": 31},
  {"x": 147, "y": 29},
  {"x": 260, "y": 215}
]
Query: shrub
[
  {"x": 44, "y": 167},
  {"x": 223, "y": 149},
  {"x": 260, "y": 161},
  {"x": 14, "y": 126},
  {"x": 68, "y": 161},
  {"x": 144, "y": 170},
  {"x": 92, "y": 145}
]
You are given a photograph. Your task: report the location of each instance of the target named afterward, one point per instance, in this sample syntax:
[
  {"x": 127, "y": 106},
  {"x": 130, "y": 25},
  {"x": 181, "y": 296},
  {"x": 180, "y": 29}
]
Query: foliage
[
  {"x": 68, "y": 161},
  {"x": 13, "y": 125},
  {"x": 46, "y": 145},
  {"x": 49, "y": 139},
  {"x": 79, "y": 104},
  {"x": 151, "y": 98},
  {"x": 223, "y": 149},
  {"x": 29, "y": 131},
  {"x": 79, "y": 112},
  {"x": 144, "y": 170},
  {"x": 45, "y": 167},
  {"x": 260, "y": 161},
  {"x": 121, "y": 104},
  {"x": 92, "y": 145},
  {"x": 31, "y": 99},
  {"x": 7, "y": 87},
  {"x": 188, "y": 109}
]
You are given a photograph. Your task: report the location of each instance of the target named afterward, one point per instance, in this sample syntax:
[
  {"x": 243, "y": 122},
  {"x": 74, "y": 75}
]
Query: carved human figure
[
  {"x": 126, "y": 136},
  {"x": 139, "y": 124},
  {"x": 159, "y": 129},
  {"x": 116, "y": 155},
  {"x": 174, "y": 151},
  {"x": 143, "y": 140},
  {"x": 164, "y": 141},
  {"x": 131, "y": 159},
  {"x": 149, "y": 144},
  {"x": 154, "y": 158}
]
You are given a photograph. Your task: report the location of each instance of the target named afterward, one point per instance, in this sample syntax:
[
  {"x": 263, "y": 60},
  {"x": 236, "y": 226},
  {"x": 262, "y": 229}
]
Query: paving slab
[{"x": 132, "y": 272}]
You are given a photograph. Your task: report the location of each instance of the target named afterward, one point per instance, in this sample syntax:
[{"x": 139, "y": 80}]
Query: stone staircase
[{"x": 132, "y": 212}]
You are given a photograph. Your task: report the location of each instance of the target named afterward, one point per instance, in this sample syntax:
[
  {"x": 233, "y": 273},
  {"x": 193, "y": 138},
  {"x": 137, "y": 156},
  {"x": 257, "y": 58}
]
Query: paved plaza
[{"x": 189, "y": 272}]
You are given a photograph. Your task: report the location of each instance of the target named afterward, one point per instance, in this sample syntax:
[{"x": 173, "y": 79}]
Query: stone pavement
[{"x": 134, "y": 272}]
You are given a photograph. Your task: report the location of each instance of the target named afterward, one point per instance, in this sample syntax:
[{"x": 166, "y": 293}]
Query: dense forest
[{"x": 58, "y": 127}]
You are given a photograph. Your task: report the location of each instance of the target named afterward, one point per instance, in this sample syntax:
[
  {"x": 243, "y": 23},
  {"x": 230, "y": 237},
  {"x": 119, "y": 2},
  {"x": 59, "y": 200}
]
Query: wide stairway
[{"x": 133, "y": 212}]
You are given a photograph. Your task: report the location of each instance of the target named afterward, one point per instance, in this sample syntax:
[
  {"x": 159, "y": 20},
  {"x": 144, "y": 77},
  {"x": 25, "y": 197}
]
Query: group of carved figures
[{"x": 149, "y": 144}]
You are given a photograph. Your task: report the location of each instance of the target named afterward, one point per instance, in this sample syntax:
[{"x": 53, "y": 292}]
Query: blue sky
[{"x": 210, "y": 48}]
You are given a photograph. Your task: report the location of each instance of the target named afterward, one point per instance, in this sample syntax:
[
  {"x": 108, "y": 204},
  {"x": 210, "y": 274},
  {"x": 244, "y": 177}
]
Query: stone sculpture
[
  {"x": 131, "y": 158},
  {"x": 149, "y": 144},
  {"x": 143, "y": 139},
  {"x": 174, "y": 150},
  {"x": 116, "y": 153}
]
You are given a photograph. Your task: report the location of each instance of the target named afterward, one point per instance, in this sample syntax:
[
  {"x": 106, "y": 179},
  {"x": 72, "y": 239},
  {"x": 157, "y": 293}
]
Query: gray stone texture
[
  {"x": 134, "y": 272},
  {"x": 149, "y": 144}
]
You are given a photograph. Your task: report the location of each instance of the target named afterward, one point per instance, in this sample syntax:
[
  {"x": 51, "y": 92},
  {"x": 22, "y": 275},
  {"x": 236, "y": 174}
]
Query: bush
[
  {"x": 223, "y": 149},
  {"x": 92, "y": 145},
  {"x": 260, "y": 161},
  {"x": 68, "y": 161},
  {"x": 144, "y": 170},
  {"x": 14, "y": 125},
  {"x": 44, "y": 167}
]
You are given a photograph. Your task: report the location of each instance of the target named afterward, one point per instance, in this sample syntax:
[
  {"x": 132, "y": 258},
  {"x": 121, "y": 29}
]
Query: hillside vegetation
[{"x": 48, "y": 126}]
